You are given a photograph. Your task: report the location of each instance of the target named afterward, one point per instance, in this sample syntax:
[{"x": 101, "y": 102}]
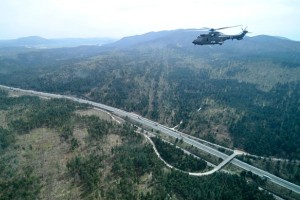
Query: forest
[
  {"x": 177, "y": 158},
  {"x": 239, "y": 108},
  {"x": 92, "y": 158}
]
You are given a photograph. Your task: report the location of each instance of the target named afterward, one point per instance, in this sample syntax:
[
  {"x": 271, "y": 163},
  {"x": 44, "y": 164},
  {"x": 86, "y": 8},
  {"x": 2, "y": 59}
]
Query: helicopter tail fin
[{"x": 241, "y": 36}]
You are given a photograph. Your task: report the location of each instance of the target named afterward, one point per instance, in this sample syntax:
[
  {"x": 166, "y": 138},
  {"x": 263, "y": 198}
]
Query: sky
[{"x": 120, "y": 18}]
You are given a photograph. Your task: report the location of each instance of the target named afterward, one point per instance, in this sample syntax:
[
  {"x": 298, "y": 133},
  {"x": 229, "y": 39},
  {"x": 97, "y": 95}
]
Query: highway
[
  {"x": 173, "y": 133},
  {"x": 222, "y": 164}
]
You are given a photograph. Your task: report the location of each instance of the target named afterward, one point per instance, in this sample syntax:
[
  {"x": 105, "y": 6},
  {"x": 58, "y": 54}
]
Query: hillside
[
  {"x": 58, "y": 149},
  {"x": 243, "y": 94}
]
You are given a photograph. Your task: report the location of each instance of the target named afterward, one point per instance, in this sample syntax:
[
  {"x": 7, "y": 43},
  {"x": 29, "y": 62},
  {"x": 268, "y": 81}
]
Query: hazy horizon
[
  {"x": 105, "y": 37},
  {"x": 117, "y": 19}
]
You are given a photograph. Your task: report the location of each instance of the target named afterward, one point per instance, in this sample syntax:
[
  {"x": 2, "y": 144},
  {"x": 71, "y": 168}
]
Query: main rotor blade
[
  {"x": 200, "y": 29},
  {"x": 227, "y": 27},
  {"x": 212, "y": 29},
  {"x": 196, "y": 29}
]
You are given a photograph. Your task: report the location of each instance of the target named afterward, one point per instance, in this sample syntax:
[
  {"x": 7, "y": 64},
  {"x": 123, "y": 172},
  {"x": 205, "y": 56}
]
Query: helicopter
[{"x": 216, "y": 37}]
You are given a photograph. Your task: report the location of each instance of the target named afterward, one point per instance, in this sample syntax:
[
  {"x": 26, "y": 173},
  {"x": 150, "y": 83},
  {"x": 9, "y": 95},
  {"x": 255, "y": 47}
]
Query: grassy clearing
[{"x": 96, "y": 112}]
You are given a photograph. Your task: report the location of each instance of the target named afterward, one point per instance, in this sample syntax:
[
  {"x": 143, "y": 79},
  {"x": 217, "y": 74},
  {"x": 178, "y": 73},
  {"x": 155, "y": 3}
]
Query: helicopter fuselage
[{"x": 216, "y": 37}]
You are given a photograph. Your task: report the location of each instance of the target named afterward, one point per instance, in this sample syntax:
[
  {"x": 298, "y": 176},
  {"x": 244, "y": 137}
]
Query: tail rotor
[{"x": 245, "y": 30}]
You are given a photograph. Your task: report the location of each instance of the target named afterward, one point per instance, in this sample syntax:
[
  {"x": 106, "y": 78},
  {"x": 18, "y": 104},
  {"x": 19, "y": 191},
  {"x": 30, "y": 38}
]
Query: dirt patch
[
  {"x": 96, "y": 112},
  {"x": 145, "y": 183},
  {"x": 12, "y": 93},
  {"x": 110, "y": 141},
  {"x": 221, "y": 135},
  {"x": 3, "y": 122},
  {"x": 80, "y": 134},
  {"x": 43, "y": 150}
]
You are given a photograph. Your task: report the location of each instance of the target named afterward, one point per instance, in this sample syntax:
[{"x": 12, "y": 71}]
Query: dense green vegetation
[
  {"x": 177, "y": 158},
  {"x": 6, "y": 138},
  {"x": 17, "y": 183},
  {"x": 87, "y": 169},
  {"x": 273, "y": 129},
  {"x": 98, "y": 128},
  {"x": 218, "y": 186},
  {"x": 50, "y": 114}
]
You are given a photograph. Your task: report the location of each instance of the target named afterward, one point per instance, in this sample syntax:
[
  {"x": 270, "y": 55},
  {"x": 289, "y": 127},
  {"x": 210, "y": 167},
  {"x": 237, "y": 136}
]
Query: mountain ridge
[
  {"x": 40, "y": 42},
  {"x": 178, "y": 35},
  {"x": 184, "y": 35}
]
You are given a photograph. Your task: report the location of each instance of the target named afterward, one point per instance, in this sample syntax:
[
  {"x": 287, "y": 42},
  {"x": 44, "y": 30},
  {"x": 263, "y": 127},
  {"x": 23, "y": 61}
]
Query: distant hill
[
  {"x": 39, "y": 42},
  {"x": 181, "y": 37},
  {"x": 184, "y": 38}
]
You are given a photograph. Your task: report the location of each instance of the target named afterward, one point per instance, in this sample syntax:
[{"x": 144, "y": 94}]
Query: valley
[
  {"x": 248, "y": 93},
  {"x": 240, "y": 95},
  {"x": 86, "y": 157},
  {"x": 143, "y": 122}
]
